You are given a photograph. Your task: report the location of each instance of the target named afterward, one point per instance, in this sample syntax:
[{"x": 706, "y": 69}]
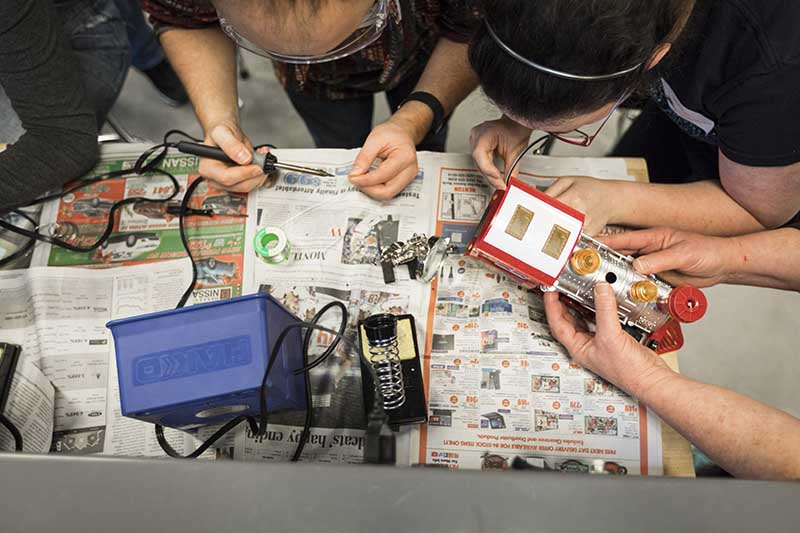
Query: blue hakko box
[{"x": 203, "y": 365}]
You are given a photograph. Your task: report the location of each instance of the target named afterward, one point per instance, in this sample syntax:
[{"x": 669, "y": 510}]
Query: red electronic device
[{"x": 540, "y": 241}]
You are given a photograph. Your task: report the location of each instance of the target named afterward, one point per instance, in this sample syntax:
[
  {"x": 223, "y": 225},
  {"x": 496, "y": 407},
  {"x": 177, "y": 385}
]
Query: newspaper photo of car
[
  {"x": 600, "y": 425},
  {"x": 92, "y": 207},
  {"x": 126, "y": 246},
  {"x": 226, "y": 204},
  {"x": 597, "y": 467},
  {"x": 168, "y": 211},
  {"x": 214, "y": 272}
]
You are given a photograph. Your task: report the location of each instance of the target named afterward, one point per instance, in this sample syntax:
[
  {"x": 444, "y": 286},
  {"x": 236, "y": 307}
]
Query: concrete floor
[{"x": 743, "y": 344}]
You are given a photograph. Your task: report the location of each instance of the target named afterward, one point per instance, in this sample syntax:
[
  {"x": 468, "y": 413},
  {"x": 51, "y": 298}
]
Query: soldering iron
[{"x": 268, "y": 162}]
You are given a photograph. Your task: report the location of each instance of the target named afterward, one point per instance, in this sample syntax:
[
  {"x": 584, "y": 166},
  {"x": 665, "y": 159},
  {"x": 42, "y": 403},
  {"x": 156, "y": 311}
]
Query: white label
[{"x": 699, "y": 120}]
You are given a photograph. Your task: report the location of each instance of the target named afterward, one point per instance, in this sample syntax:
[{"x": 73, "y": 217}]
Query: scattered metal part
[{"x": 416, "y": 253}]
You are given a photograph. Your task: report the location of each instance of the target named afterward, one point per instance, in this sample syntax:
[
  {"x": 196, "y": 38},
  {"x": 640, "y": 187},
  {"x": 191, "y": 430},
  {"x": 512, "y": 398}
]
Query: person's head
[
  {"x": 577, "y": 38},
  {"x": 303, "y": 30}
]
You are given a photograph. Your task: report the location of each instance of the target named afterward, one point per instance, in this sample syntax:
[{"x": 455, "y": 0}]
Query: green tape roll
[{"x": 272, "y": 246}]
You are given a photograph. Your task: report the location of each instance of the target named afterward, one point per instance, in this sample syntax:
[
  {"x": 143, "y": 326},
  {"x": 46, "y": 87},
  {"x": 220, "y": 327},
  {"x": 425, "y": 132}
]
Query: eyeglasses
[
  {"x": 367, "y": 32},
  {"x": 579, "y": 138},
  {"x": 575, "y": 137}
]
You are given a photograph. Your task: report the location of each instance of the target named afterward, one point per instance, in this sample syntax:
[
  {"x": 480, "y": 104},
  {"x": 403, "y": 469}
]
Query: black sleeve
[
  {"x": 39, "y": 73},
  {"x": 759, "y": 125},
  {"x": 794, "y": 223}
]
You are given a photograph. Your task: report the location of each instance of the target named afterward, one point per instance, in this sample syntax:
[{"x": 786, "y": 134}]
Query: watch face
[{"x": 436, "y": 256}]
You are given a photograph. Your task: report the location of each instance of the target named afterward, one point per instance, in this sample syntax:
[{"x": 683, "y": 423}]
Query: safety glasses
[{"x": 367, "y": 32}]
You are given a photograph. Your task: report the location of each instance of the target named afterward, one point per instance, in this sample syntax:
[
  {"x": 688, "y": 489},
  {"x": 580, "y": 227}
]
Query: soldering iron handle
[{"x": 201, "y": 150}]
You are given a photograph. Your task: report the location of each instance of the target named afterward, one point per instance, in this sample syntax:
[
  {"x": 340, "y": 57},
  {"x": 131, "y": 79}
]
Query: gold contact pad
[
  {"x": 520, "y": 221},
  {"x": 556, "y": 242}
]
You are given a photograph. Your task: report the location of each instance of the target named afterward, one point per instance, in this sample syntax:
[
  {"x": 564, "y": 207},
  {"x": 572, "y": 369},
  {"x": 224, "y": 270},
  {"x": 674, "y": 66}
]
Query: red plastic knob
[{"x": 687, "y": 304}]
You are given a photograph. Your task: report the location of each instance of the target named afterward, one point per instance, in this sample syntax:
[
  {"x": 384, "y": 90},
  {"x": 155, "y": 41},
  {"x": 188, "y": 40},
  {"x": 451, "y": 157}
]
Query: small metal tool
[{"x": 268, "y": 162}]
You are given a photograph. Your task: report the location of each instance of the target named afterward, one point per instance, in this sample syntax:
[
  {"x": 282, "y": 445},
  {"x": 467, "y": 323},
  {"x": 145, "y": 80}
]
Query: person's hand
[
  {"x": 394, "y": 145},
  {"x": 243, "y": 178},
  {"x": 609, "y": 352},
  {"x": 679, "y": 257},
  {"x": 502, "y": 137},
  {"x": 593, "y": 197}
]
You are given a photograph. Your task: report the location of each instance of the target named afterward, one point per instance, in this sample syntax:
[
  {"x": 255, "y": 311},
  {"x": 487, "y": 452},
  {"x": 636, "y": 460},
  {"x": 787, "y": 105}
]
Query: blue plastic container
[{"x": 203, "y": 365}]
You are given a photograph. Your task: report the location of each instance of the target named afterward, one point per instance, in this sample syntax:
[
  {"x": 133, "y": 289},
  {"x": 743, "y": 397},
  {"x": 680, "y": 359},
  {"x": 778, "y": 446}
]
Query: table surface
[{"x": 677, "y": 451}]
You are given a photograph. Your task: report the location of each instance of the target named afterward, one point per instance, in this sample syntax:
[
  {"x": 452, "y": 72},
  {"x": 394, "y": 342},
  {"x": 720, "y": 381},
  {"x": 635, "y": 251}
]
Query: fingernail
[
  {"x": 639, "y": 265},
  {"x": 356, "y": 170},
  {"x": 243, "y": 156},
  {"x": 603, "y": 288}
]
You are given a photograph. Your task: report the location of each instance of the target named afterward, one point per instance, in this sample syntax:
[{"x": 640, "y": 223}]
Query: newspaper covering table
[{"x": 498, "y": 386}]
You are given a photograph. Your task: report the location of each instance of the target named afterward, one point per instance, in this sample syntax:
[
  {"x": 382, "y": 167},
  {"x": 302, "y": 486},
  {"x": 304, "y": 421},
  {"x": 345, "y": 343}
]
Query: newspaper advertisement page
[
  {"x": 137, "y": 291},
  {"x": 58, "y": 317},
  {"x": 12, "y": 243},
  {"x": 30, "y": 409},
  {"x": 148, "y": 231},
  {"x": 500, "y": 387},
  {"x": 335, "y": 234}
]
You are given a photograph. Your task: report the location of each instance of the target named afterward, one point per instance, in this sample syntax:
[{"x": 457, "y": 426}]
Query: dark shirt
[
  {"x": 39, "y": 74},
  {"x": 736, "y": 83},
  {"x": 403, "y": 49}
]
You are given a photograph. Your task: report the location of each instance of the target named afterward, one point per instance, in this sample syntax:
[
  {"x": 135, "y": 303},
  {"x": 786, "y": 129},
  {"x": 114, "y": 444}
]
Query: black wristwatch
[{"x": 433, "y": 103}]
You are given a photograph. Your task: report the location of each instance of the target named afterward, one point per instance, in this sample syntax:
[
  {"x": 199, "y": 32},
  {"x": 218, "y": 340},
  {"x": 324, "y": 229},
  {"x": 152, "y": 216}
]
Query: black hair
[{"x": 583, "y": 37}]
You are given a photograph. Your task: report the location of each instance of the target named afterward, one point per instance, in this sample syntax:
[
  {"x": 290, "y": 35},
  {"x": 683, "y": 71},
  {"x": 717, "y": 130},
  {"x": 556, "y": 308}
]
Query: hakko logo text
[{"x": 192, "y": 360}]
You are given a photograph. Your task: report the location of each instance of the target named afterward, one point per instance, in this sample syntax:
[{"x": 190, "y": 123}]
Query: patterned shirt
[{"x": 403, "y": 48}]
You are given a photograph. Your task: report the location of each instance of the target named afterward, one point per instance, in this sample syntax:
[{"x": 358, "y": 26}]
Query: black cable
[
  {"x": 182, "y": 230},
  {"x": 544, "y": 139},
  {"x": 307, "y": 369},
  {"x": 25, "y": 248},
  {"x": 146, "y": 163},
  {"x": 221, "y": 432},
  {"x": 259, "y": 429},
  {"x": 9, "y": 425}
]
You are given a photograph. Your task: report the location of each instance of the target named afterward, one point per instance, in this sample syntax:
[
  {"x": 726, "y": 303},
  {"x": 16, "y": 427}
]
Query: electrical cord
[
  {"x": 259, "y": 429},
  {"x": 25, "y": 248},
  {"x": 540, "y": 141},
  {"x": 147, "y": 162},
  {"x": 9, "y": 425}
]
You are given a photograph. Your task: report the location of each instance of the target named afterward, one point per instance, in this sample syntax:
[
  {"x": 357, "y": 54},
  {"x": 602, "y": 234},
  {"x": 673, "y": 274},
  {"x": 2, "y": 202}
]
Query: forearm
[
  {"x": 764, "y": 259},
  {"x": 702, "y": 207},
  {"x": 205, "y": 61},
  {"x": 745, "y": 437},
  {"x": 449, "y": 77},
  {"x": 45, "y": 90}
]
